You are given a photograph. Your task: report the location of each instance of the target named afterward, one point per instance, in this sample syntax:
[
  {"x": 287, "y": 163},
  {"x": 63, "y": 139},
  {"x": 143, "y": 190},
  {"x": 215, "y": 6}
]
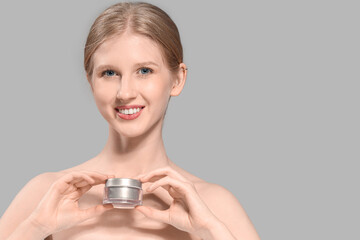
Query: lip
[
  {"x": 129, "y": 106},
  {"x": 129, "y": 116}
]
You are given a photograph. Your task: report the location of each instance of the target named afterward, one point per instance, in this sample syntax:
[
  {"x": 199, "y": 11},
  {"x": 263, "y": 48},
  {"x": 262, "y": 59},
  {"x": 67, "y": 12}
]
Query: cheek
[
  {"x": 157, "y": 90},
  {"x": 104, "y": 93}
]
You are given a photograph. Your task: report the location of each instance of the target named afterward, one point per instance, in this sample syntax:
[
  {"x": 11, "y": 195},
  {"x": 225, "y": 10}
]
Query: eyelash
[
  {"x": 145, "y": 75},
  {"x": 103, "y": 74}
]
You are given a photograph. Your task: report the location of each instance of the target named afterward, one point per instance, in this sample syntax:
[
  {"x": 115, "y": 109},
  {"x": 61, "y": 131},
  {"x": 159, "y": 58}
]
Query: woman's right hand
[{"x": 59, "y": 208}]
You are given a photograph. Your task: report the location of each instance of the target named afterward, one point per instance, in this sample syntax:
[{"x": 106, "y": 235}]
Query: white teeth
[{"x": 129, "y": 111}]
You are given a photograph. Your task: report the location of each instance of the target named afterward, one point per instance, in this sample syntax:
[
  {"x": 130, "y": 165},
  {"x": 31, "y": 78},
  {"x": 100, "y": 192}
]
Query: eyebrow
[
  {"x": 103, "y": 67},
  {"x": 146, "y": 64},
  {"x": 141, "y": 64}
]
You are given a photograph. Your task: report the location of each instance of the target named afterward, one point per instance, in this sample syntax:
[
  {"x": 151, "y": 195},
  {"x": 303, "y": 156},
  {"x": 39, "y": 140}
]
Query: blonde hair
[{"x": 141, "y": 18}]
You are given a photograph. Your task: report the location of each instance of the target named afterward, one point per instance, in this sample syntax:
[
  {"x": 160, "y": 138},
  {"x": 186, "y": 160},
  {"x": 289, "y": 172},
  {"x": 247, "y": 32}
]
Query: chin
[
  {"x": 129, "y": 132},
  {"x": 134, "y": 130}
]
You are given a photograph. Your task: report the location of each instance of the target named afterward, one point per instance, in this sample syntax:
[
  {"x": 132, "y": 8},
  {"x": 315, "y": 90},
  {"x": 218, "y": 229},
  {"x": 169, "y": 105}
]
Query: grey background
[{"x": 270, "y": 109}]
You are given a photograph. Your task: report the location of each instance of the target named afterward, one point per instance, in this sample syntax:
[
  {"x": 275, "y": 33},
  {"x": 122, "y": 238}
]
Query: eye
[
  {"x": 145, "y": 71},
  {"x": 108, "y": 73}
]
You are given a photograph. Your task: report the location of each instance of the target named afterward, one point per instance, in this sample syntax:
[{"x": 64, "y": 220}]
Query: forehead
[{"x": 128, "y": 49}]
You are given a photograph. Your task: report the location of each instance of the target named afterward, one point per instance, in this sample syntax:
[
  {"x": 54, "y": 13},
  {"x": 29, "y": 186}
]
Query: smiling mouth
[{"x": 129, "y": 111}]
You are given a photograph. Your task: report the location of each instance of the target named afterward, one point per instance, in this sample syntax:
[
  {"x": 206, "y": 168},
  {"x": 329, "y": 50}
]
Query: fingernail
[{"x": 108, "y": 206}]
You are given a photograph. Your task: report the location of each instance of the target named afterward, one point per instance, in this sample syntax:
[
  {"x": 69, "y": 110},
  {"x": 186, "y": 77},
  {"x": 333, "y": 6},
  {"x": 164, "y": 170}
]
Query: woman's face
[{"x": 129, "y": 70}]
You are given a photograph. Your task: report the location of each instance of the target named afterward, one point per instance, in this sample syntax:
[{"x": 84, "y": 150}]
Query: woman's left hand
[{"x": 187, "y": 211}]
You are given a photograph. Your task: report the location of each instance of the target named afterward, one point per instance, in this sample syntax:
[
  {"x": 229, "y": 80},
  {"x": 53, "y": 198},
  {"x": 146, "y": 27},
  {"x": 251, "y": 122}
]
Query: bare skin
[{"x": 178, "y": 204}]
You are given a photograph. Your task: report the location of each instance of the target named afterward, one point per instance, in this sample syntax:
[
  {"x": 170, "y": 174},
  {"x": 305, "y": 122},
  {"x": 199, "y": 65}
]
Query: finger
[
  {"x": 161, "y": 172},
  {"x": 142, "y": 178},
  {"x": 81, "y": 191},
  {"x": 81, "y": 184},
  {"x": 138, "y": 177},
  {"x": 96, "y": 172},
  {"x": 70, "y": 181},
  {"x": 81, "y": 180},
  {"x": 84, "y": 189},
  {"x": 84, "y": 180},
  {"x": 73, "y": 178},
  {"x": 94, "y": 211},
  {"x": 92, "y": 178},
  {"x": 152, "y": 179},
  {"x": 86, "y": 184},
  {"x": 92, "y": 173},
  {"x": 98, "y": 178},
  {"x": 166, "y": 171},
  {"x": 183, "y": 192},
  {"x": 64, "y": 183},
  {"x": 174, "y": 194},
  {"x": 181, "y": 188},
  {"x": 152, "y": 213}
]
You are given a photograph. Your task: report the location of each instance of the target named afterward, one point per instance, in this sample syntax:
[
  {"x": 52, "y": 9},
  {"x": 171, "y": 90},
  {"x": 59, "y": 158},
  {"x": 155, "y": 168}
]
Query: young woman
[{"x": 134, "y": 65}]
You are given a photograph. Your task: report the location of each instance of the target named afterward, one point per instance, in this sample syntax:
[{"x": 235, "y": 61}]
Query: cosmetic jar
[{"x": 123, "y": 192}]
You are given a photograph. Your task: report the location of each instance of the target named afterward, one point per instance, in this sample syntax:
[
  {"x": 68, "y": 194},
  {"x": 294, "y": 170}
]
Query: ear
[{"x": 179, "y": 80}]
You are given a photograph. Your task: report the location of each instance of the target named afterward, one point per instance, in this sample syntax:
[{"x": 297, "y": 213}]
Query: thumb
[
  {"x": 94, "y": 211},
  {"x": 158, "y": 215}
]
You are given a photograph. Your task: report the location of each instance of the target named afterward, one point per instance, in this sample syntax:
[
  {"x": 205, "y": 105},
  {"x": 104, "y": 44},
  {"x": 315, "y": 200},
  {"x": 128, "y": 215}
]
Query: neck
[{"x": 129, "y": 157}]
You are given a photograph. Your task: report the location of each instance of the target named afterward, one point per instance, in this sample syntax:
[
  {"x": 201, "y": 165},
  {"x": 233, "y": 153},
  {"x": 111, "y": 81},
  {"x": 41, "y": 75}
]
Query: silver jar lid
[{"x": 123, "y": 182}]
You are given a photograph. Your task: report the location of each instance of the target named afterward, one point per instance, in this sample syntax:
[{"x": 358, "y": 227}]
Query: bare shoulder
[
  {"x": 213, "y": 193},
  {"x": 219, "y": 199},
  {"x": 26, "y": 201},
  {"x": 227, "y": 208},
  {"x": 28, "y": 198},
  {"x": 224, "y": 205}
]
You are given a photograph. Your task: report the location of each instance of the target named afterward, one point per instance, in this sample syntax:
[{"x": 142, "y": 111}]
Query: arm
[
  {"x": 226, "y": 207},
  {"x": 188, "y": 212},
  {"x": 30, "y": 229},
  {"x": 58, "y": 209},
  {"x": 25, "y": 202},
  {"x": 217, "y": 231}
]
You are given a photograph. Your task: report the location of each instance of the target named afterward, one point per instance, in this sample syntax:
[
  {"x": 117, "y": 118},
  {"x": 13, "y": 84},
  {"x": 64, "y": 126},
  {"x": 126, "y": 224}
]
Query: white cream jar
[{"x": 123, "y": 192}]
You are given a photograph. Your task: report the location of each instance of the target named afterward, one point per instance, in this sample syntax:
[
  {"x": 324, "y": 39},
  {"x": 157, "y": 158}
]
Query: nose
[{"x": 127, "y": 89}]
